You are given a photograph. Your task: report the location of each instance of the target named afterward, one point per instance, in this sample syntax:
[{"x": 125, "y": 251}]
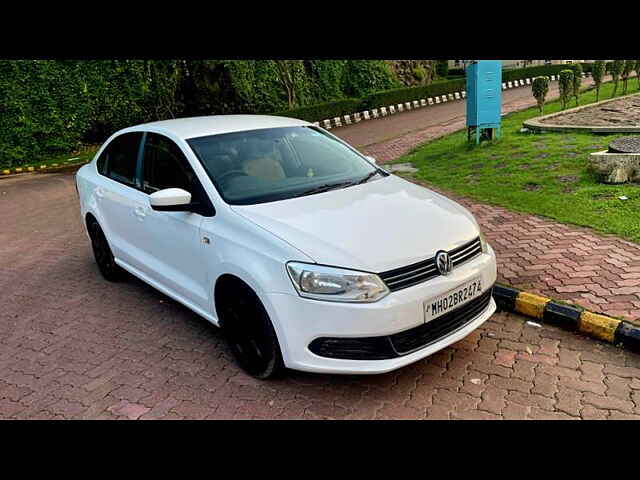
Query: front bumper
[{"x": 300, "y": 321}]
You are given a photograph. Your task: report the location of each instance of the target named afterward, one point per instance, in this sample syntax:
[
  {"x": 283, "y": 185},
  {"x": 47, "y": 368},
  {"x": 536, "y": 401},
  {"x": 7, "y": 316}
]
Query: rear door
[{"x": 118, "y": 194}]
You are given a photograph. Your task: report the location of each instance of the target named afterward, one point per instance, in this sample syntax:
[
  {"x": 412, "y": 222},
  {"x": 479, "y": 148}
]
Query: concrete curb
[
  {"x": 601, "y": 327},
  {"x": 381, "y": 112},
  {"x": 52, "y": 168},
  {"x": 537, "y": 125}
]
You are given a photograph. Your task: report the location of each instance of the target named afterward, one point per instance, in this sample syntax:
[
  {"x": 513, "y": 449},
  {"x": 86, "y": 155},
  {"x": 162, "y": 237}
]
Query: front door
[{"x": 171, "y": 240}]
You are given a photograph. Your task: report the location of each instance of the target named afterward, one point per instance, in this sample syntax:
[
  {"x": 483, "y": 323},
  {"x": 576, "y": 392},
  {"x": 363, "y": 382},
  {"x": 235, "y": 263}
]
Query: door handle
[
  {"x": 140, "y": 212},
  {"x": 99, "y": 193}
]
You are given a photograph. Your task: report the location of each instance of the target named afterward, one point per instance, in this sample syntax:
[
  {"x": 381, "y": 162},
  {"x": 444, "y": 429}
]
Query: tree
[
  {"x": 540, "y": 89},
  {"x": 628, "y": 67},
  {"x": 637, "y": 69},
  {"x": 565, "y": 84},
  {"x": 616, "y": 69},
  {"x": 287, "y": 70},
  {"x": 597, "y": 72},
  {"x": 577, "y": 80},
  {"x": 442, "y": 68}
]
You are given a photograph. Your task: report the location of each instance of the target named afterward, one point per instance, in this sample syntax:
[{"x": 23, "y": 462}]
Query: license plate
[{"x": 452, "y": 299}]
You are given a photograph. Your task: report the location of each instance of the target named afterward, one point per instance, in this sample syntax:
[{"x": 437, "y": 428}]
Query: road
[{"x": 75, "y": 346}]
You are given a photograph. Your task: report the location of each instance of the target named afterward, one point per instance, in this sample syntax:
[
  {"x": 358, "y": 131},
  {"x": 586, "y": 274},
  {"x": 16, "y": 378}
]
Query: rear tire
[
  {"x": 250, "y": 334},
  {"x": 103, "y": 255}
]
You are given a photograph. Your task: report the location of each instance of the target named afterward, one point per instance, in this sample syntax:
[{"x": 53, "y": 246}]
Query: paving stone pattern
[{"x": 74, "y": 346}]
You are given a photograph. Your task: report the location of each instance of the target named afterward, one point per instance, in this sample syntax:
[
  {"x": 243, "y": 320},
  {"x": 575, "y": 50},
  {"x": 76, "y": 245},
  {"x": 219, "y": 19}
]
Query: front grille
[
  {"x": 405, "y": 277},
  {"x": 424, "y": 335},
  {"x": 402, "y": 343}
]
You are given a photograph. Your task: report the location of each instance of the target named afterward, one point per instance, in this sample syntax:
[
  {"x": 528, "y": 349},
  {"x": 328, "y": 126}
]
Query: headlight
[
  {"x": 335, "y": 284},
  {"x": 484, "y": 244}
]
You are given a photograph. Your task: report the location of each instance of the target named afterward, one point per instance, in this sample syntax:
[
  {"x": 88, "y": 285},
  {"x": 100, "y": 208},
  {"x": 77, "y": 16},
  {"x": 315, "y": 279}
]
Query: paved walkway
[
  {"x": 599, "y": 272},
  {"x": 75, "y": 346}
]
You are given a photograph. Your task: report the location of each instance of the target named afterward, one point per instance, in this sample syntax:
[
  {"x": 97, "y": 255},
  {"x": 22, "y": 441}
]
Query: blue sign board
[{"x": 484, "y": 96}]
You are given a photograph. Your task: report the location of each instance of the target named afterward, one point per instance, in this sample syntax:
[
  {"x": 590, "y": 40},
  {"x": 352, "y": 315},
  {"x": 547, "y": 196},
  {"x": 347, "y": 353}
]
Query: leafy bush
[
  {"x": 540, "y": 88},
  {"x": 366, "y": 76},
  {"x": 565, "y": 84},
  {"x": 323, "y": 111},
  {"x": 597, "y": 73}
]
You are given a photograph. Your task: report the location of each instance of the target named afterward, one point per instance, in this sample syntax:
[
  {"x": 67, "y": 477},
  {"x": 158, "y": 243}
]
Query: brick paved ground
[
  {"x": 599, "y": 272},
  {"x": 75, "y": 346}
]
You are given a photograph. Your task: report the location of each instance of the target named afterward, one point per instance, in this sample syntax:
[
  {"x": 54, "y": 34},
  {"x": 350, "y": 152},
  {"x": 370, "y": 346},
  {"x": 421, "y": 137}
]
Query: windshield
[{"x": 265, "y": 165}]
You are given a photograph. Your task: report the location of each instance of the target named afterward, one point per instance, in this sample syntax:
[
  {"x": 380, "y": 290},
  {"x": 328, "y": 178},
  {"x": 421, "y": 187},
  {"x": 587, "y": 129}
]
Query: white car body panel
[
  {"x": 374, "y": 227},
  {"x": 377, "y": 226}
]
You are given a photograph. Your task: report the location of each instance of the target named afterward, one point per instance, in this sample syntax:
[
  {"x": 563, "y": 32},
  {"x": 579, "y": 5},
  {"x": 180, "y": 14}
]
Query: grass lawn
[{"x": 539, "y": 173}]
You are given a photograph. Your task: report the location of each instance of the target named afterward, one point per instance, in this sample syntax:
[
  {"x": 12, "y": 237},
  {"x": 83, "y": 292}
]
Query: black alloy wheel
[
  {"x": 251, "y": 336},
  {"x": 103, "y": 255}
]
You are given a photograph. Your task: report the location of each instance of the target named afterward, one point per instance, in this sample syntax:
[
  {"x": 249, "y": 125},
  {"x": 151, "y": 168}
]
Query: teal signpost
[{"x": 484, "y": 99}]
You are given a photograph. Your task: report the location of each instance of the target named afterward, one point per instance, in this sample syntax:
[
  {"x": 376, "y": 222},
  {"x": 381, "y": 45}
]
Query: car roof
[{"x": 192, "y": 127}]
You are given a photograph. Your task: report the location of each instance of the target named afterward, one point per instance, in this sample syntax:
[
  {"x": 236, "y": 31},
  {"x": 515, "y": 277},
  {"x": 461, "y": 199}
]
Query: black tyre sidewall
[
  {"x": 249, "y": 309},
  {"x": 111, "y": 272}
]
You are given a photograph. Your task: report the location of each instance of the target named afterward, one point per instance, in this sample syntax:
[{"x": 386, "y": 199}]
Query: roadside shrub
[
  {"x": 577, "y": 80},
  {"x": 402, "y": 95},
  {"x": 565, "y": 84},
  {"x": 627, "y": 68},
  {"x": 616, "y": 69},
  {"x": 531, "y": 72},
  {"x": 323, "y": 111},
  {"x": 597, "y": 73},
  {"x": 540, "y": 88},
  {"x": 456, "y": 72}
]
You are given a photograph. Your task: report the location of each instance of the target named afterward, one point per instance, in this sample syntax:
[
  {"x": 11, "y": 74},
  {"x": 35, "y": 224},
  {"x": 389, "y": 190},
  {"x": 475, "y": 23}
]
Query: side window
[
  {"x": 165, "y": 166},
  {"x": 119, "y": 159}
]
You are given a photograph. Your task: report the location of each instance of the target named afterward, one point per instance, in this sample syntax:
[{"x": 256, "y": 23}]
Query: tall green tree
[
  {"x": 442, "y": 68},
  {"x": 577, "y": 81},
  {"x": 627, "y": 68},
  {"x": 540, "y": 88},
  {"x": 597, "y": 73},
  {"x": 565, "y": 84},
  {"x": 616, "y": 70}
]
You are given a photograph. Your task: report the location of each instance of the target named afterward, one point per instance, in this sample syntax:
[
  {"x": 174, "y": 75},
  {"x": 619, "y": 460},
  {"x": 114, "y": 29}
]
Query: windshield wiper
[
  {"x": 324, "y": 188},
  {"x": 367, "y": 178},
  {"x": 333, "y": 186}
]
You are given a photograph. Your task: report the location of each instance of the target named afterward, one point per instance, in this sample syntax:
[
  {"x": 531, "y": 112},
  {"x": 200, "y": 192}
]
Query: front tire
[
  {"x": 250, "y": 335},
  {"x": 103, "y": 255}
]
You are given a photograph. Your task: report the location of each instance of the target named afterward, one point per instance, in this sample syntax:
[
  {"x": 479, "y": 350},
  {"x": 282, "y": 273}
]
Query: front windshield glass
[{"x": 260, "y": 166}]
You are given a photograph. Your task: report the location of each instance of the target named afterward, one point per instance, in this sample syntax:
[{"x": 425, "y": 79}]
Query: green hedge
[
  {"x": 402, "y": 95},
  {"x": 323, "y": 111}
]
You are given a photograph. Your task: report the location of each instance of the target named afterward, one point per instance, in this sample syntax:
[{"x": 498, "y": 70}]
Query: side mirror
[
  {"x": 372, "y": 159},
  {"x": 171, "y": 200}
]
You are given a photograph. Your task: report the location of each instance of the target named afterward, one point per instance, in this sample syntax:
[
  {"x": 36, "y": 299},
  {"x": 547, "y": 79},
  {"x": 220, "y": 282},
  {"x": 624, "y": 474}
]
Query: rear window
[{"x": 119, "y": 159}]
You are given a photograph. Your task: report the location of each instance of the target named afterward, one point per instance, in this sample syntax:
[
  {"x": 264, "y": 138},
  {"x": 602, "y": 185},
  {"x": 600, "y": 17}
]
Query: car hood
[{"x": 377, "y": 226}]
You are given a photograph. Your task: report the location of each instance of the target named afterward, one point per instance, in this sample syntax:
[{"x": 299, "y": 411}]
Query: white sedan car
[{"x": 307, "y": 254}]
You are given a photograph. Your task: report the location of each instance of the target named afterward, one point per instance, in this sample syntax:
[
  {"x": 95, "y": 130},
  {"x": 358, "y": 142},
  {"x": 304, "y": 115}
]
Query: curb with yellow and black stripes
[
  {"x": 50, "y": 168},
  {"x": 569, "y": 317}
]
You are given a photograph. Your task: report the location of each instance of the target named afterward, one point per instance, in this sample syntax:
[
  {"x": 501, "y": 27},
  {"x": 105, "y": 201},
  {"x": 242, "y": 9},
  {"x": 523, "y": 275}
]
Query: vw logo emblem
[{"x": 443, "y": 263}]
